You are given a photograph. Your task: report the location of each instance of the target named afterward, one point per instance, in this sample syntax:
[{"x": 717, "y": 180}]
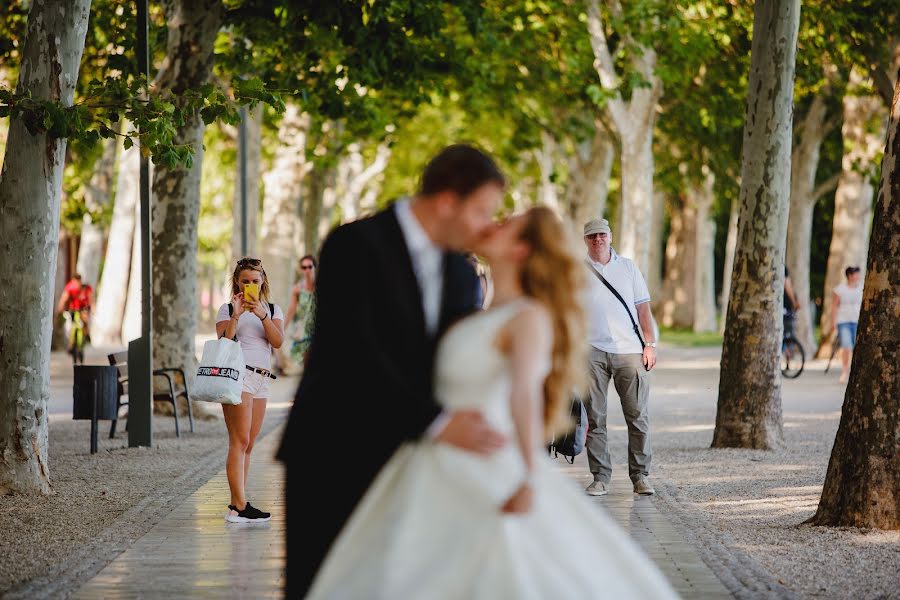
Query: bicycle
[
  {"x": 75, "y": 326},
  {"x": 793, "y": 357}
]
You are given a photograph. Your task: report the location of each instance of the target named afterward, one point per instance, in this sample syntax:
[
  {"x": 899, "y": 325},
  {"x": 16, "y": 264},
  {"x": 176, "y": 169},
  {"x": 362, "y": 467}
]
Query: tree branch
[
  {"x": 825, "y": 187},
  {"x": 603, "y": 64}
]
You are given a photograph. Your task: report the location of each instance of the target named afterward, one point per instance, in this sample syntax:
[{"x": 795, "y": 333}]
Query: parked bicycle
[{"x": 793, "y": 356}]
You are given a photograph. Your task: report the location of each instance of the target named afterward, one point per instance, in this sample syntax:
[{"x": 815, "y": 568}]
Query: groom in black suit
[{"x": 387, "y": 288}]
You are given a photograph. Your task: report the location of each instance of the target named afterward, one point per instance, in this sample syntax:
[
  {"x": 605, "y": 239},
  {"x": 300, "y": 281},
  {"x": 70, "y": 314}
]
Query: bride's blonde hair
[{"x": 553, "y": 274}]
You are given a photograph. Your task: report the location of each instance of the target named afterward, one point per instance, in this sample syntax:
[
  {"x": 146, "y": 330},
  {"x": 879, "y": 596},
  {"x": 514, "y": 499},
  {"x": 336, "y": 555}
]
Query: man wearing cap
[{"x": 623, "y": 349}]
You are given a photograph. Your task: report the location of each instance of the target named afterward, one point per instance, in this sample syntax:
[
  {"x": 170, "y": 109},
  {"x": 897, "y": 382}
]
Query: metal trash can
[{"x": 95, "y": 396}]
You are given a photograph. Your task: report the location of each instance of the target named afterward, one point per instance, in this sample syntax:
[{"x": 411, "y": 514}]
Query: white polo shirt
[{"x": 609, "y": 328}]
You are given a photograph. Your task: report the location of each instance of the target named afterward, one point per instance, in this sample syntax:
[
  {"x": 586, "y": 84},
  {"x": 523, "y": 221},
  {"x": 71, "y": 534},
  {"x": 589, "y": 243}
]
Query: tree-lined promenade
[{"x": 723, "y": 140}]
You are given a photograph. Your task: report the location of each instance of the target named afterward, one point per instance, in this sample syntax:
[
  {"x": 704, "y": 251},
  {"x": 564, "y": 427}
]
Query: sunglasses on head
[{"x": 251, "y": 262}]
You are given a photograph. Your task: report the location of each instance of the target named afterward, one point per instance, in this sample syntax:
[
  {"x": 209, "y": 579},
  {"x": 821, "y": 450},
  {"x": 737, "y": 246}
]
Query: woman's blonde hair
[
  {"x": 250, "y": 264},
  {"x": 553, "y": 274}
]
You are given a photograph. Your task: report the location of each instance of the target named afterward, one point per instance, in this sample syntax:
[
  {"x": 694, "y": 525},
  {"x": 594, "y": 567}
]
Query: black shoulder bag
[{"x": 634, "y": 325}]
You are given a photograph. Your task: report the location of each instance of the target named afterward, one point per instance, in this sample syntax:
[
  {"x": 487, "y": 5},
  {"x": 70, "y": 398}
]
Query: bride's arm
[{"x": 530, "y": 339}]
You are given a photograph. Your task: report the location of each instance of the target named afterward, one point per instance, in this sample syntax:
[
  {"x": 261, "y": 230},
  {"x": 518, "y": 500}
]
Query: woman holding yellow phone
[{"x": 258, "y": 326}]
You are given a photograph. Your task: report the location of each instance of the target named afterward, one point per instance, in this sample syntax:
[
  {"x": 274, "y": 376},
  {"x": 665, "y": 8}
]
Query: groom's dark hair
[{"x": 459, "y": 168}]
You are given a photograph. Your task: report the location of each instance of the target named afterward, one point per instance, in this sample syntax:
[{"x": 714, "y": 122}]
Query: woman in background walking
[{"x": 302, "y": 310}]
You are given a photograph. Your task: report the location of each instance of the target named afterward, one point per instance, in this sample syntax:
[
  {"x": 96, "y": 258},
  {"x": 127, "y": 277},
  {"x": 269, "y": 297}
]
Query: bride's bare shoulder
[{"x": 532, "y": 324}]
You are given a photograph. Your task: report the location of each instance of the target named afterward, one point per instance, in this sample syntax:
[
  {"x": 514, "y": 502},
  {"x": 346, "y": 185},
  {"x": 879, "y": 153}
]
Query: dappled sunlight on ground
[{"x": 758, "y": 500}]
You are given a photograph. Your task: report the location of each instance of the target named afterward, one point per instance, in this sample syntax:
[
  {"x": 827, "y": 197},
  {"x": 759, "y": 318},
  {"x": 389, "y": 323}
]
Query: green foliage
[{"x": 155, "y": 121}]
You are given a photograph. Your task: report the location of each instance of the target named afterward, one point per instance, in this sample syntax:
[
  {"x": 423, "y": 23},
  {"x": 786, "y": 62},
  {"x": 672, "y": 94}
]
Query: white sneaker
[{"x": 598, "y": 488}]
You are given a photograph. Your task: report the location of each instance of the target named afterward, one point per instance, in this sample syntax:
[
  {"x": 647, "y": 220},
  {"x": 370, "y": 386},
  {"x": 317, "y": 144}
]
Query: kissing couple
[{"x": 415, "y": 452}]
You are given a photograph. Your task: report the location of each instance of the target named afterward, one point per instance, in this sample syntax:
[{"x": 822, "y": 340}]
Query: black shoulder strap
[
  {"x": 271, "y": 310},
  {"x": 634, "y": 325},
  {"x": 231, "y": 312}
]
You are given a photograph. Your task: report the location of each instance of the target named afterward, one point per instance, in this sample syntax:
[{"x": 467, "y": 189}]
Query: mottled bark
[
  {"x": 318, "y": 207},
  {"x": 728, "y": 266},
  {"x": 676, "y": 306},
  {"x": 545, "y": 156},
  {"x": 355, "y": 177},
  {"x": 254, "y": 156},
  {"x": 96, "y": 197},
  {"x": 30, "y": 191},
  {"x": 131, "y": 318},
  {"x": 656, "y": 248},
  {"x": 688, "y": 295},
  {"x": 634, "y": 121},
  {"x": 106, "y": 328},
  {"x": 193, "y": 25},
  {"x": 282, "y": 201},
  {"x": 862, "y": 485},
  {"x": 704, "y": 260},
  {"x": 804, "y": 194},
  {"x": 862, "y": 132},
  {"x": 749, "y": 406},
  {"x": 589, "y": 168}
]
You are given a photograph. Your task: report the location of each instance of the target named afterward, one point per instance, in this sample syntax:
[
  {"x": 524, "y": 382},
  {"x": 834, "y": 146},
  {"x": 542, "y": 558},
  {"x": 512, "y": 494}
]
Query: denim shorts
[{"x": 847, "y": 334}]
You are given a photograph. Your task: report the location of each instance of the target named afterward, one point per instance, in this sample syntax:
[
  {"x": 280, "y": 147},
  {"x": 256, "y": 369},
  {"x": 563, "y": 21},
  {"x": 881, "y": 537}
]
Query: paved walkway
[{"x": 193, "y": 553}]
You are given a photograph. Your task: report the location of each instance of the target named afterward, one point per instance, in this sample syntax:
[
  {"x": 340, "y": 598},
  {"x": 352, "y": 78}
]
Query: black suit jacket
[{"x": 367, "y": 385}]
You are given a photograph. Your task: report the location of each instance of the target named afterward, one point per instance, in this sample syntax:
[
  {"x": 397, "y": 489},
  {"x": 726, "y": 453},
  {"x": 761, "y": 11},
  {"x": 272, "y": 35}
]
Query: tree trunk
[
  {"x": 749, "y": 407},
  {"x": 106, "y": 328},
  {"x": 546, "y": 160},
  {"x": 97, "y": 196},
  {"x": 30, "y": 191},
  {"x": 862, "y": 131},
  {"x": 193, "y": 26},
  {"x": 634, "y": 122},
  {"x": 687, "y": 293},
  {"x": 254, "y": 156},
  {"x": 704, "y": 261},
  {"x": 862, "y": 485},
  {"x": 589, "y": 170},
  {"x": 282, "y": 201},
  {"x": 728, "y": 266},
  {"x": 131, "y": 319},
  {"x": 318, "y": 207},
  {"x": 356, "y": 176},
  {"x": 804, "y": 164},
  {"x": 656, "y": 248},
  {"x": 636, "y": 204},
  {"x": 677, "y": 306}
]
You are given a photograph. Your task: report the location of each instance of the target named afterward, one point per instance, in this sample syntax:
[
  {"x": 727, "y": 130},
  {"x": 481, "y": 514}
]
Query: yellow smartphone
[{"x": 251, "y": 292}]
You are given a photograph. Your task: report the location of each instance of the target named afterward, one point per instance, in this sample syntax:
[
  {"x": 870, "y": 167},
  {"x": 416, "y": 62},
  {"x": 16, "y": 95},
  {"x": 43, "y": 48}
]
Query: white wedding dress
[{"x": 430, "y": 526}]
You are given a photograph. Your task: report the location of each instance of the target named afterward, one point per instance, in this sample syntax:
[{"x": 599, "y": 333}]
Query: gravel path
[
  {"x": 100, "y": 504},
  {"x": 744, "y": 509}
]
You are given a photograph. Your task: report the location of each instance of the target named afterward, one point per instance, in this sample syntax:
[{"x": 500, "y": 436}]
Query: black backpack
[{"x": 572, "y": 443}]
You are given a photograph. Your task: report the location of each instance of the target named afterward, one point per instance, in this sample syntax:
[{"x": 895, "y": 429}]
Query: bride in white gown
[{"x": 441, "y": 523}]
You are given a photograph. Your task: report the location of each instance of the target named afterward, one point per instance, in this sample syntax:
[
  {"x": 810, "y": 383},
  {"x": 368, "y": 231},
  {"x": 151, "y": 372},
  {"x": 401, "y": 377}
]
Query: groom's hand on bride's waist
[{"x": 469, "y": 430}]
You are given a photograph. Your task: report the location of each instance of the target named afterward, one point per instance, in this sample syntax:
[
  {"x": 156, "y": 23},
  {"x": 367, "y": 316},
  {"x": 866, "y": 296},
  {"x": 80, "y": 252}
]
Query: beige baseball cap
[{"x": 597, "y": 226}]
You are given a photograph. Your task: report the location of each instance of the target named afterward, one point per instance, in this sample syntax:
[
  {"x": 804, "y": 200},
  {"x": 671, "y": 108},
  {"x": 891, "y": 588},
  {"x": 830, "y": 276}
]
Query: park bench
[{"x": 173, "y": 391}]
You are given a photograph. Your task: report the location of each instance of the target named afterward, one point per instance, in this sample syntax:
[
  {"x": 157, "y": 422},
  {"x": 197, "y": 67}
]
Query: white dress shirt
[
  {"x": 427, "y": 261},
  {"x": 428, "y": 265}
]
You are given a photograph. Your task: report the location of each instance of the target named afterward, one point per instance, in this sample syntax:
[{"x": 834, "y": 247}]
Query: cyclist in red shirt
[{"x": 78, "y": 297}]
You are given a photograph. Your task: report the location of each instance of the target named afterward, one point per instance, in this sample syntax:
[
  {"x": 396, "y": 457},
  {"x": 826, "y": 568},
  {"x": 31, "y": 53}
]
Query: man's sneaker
[
  {"x": 250, "y": 514},
  {"x": 598, "y": 488},
  {"x": 643, "y": 487}
]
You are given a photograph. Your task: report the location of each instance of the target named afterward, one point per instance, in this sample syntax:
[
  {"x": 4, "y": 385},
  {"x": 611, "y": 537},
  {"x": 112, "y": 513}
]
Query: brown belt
[{"x": 262, "y": 372}]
